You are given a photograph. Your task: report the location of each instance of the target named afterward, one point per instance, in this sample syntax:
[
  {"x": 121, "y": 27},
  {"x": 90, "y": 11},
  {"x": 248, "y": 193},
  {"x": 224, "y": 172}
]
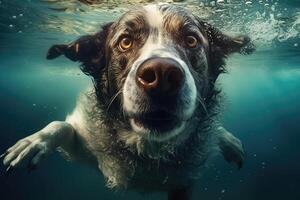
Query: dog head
[{"x": 156, "y": 64}]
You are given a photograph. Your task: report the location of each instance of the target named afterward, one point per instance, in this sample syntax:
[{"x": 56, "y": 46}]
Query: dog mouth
[{"x": 158, "y": 122}]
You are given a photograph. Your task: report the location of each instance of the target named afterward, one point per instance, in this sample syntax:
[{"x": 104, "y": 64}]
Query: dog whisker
[
  {"x": 113, "y": 99},
  {"x": 200, "y": 100}
]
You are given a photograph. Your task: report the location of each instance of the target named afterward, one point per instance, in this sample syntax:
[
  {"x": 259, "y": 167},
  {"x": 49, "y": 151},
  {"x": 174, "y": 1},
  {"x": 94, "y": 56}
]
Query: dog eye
[
  {"x": 125, "y": 43},
  {"x": 191, "y": 41}
]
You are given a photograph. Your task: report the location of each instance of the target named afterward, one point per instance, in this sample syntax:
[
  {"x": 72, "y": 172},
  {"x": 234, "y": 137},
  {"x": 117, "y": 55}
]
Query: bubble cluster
[{"x": 267, "y": 22}]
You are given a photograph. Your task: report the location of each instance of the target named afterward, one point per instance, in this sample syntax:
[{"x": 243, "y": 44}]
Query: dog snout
[{"x": 160, "y": 76}]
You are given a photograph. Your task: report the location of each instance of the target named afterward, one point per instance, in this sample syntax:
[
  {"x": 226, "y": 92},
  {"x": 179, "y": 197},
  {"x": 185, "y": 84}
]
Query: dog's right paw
[
  {"x": 231, "y": 147},
  {"x": 28, "y": 151}
]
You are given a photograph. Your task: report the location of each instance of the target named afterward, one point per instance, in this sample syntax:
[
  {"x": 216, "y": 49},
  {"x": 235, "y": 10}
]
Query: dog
[{"x": 150, "y": 122}]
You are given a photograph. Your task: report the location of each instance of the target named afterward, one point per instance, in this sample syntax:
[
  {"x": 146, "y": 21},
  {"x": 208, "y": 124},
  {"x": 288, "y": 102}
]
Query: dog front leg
[
  {"x": 231, "y": 147},
  {"x": 30, "y": 150}
]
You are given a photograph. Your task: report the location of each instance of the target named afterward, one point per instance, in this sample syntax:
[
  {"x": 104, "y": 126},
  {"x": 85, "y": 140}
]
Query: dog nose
[{"x": 160, "y": 76}]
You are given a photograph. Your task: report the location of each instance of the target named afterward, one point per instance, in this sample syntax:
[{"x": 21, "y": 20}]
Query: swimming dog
[{"x": 150, "y": 122}]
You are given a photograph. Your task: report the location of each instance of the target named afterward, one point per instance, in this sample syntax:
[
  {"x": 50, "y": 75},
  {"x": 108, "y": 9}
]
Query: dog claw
[
  {"x": 9, "y": 169},
  {"x": 4, "y": 154}
]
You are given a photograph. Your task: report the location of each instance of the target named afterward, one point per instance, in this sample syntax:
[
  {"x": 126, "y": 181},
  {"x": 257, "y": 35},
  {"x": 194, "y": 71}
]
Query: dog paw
[
  {"x": 28, "y": 151},
  {"x": 232, "y": 149}
]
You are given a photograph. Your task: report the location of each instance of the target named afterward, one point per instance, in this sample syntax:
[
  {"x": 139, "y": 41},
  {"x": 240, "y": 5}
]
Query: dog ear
[
  {"x": 80, "y": 50},
  {"x": 88, "y": 49},
  {"x": 221, "y": 46},
  {"x": 225, "y": 45}
]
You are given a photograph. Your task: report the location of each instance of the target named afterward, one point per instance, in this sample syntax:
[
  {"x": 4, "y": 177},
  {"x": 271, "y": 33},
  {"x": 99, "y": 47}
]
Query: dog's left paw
[
  {"x": 231, "y": 148},
  {"x": 28, "y": 151}
]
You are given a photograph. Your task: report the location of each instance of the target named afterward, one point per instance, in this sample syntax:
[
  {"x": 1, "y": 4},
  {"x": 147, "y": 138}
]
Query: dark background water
[{"x": 262, "y": 105}]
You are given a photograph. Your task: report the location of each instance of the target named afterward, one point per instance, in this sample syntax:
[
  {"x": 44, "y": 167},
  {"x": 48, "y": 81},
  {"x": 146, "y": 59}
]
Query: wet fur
[
  {"x": 103, "y": 135},
  {"x": 125, "y": 157}
]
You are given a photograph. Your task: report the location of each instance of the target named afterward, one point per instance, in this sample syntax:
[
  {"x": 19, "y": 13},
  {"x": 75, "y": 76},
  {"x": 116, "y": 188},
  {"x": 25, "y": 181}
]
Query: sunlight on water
[{"x": 266, "y": 22}]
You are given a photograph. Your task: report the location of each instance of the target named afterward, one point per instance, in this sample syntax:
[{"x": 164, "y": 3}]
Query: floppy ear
[
  {"x": 88, "y": 49},
  {"x": 80, "y": 50},
  {"x": 220, "y": 47},
  {"x": 225, "y": 44}
]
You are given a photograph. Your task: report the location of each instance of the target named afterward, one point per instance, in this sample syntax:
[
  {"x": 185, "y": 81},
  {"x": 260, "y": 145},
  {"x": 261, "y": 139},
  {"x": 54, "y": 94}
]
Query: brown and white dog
[{"x": 149, "y": 123}]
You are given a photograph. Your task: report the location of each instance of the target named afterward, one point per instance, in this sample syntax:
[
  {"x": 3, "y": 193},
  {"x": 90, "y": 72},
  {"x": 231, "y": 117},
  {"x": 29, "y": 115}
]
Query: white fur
[
  {"x": 157, "y": 137},
  {"x": 154, "y": 16},
  {"x": 157, "y": 48}
]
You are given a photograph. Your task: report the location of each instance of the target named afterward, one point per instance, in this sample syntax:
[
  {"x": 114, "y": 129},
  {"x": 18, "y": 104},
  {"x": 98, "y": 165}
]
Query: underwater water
[{"x": 262, "y": 105}]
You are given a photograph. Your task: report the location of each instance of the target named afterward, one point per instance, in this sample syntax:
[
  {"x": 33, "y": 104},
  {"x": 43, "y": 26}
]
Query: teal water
[{"x": 262, "y": 104}]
